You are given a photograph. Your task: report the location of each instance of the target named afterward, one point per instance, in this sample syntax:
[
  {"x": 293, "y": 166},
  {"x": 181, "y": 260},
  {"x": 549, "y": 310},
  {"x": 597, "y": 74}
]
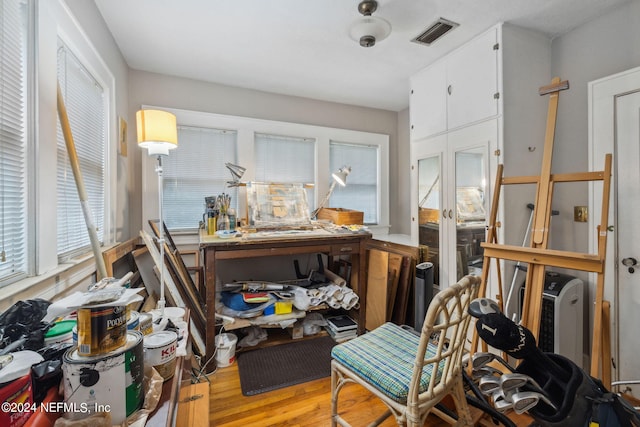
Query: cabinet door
[
  {"x": 472, "y": 173},
  {"x": 428, "y": 102},
  {"x": 428, "y": 191},
  {"x": 472, "y": 78}
]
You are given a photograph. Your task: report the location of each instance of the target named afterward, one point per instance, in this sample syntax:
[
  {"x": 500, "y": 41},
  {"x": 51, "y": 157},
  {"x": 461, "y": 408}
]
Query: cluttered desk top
[{"x": 248, "y": 237}]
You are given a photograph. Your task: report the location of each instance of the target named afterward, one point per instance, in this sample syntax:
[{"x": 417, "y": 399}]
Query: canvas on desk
[{"x": 272, "y": 205}]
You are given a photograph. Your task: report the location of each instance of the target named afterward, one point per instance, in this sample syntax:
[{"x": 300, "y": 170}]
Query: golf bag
[
  {"x": 575, "y": 398},
  {"x": 581, "y": 401}
]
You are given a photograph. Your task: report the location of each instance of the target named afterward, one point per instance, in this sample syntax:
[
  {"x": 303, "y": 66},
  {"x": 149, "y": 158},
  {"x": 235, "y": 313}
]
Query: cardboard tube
[{"x": 335, "y": 278}]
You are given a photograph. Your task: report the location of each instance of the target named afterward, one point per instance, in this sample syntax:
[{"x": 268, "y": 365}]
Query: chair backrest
[{"x": 442, "y": 339}]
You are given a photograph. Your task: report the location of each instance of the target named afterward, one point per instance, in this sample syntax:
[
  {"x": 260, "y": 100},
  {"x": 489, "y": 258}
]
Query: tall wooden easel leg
[{"x": 532, "y": 309}]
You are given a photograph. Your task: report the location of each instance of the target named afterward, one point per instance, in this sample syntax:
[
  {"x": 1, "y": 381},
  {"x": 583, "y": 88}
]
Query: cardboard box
[
  {"x": 340, "y": 216},
  {"x": 426, "y": 215}
]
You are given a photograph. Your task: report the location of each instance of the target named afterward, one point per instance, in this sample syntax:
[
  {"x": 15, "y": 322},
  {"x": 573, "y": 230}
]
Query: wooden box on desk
[{"x": 340, "y": 216}]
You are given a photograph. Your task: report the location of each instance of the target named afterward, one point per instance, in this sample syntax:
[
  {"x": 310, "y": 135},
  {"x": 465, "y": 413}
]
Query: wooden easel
[{"x": 538, "y": 256}]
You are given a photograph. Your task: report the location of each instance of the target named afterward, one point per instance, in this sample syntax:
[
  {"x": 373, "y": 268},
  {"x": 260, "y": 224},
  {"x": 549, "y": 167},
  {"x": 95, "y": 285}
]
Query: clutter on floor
[{"x": 87, "y": 358}]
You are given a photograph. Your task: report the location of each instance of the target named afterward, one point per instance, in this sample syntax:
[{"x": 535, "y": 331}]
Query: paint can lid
[
  {"x": 160, "y": 339},
  {"x": 60, "y": 328}
]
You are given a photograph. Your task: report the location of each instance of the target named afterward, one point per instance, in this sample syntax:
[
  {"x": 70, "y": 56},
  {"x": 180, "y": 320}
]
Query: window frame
[
  {"x": 247, "y": 128},
  {"x": 55, "y": 21}
]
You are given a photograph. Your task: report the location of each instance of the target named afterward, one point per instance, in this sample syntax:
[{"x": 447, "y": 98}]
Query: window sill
[{"x": 75, "y": 274}]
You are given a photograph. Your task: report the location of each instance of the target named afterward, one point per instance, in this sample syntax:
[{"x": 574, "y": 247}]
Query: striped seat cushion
[{"x": 385, "y": 358}]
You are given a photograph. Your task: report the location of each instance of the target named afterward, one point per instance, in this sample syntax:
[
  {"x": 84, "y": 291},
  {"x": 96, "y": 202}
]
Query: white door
[
  {"x": 627, "y": 152},
  {"x": 614, "y": 124}
]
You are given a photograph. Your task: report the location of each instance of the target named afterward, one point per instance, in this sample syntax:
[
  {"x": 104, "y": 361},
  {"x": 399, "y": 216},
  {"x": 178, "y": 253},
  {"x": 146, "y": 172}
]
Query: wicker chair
[{"x": 398, "y": 366}]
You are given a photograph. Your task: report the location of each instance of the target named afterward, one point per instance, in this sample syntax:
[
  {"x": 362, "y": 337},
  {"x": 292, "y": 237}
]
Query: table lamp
[
  {"x": 339, "y": 177},
  {"x": 158, "y": 133}
]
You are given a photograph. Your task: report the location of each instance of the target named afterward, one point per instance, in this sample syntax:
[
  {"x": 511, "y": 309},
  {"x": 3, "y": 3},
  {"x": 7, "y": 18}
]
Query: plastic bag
[{"x": 21, "y": 326}]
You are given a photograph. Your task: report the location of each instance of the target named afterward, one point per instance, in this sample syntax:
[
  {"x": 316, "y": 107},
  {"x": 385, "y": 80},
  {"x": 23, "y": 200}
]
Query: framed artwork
[{"x": 122, "y": 137}]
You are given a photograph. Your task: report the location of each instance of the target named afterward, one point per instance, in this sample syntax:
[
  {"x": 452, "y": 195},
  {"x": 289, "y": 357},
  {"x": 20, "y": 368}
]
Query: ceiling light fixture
[{"x": 369, "y": 29}]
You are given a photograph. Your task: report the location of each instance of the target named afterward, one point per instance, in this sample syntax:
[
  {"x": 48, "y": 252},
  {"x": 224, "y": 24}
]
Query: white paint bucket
[
  {"x": 107, "y": 383},
  {"x": 225, "y": 349},
  {"x": 160, "y": 352}
]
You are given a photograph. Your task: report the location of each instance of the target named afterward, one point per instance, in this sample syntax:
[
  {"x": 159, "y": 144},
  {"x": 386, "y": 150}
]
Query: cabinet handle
[
  {"x": 346, "y": 249},
  {"x": 449, "y": 89},
  {"x": 444, "y": 213},
  {"x": 450, "y": 213}
]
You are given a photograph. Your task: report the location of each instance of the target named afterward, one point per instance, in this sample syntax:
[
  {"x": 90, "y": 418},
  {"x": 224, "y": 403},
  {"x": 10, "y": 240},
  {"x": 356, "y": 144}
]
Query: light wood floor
[{"x": 304, "y": 405}]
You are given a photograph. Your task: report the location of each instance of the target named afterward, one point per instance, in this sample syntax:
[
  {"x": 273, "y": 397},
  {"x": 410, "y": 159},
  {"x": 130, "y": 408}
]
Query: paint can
[
  {"x": 60, "y": 333},
  {"x": 146, "y": 323},
  {"x": 111, "y": 382},
  {"x": 101, "y": 329},
  {"x": 17, "y": 401},
  {"x": 160, "y": 352},
  {"x": 133, "y": 324}
]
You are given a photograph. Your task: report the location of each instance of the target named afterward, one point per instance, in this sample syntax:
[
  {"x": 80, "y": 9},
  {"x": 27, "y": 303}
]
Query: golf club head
[
  {"x": 501, "y": 401},
  {"x": 516, "y": 380},
  {"x": 482, "y": 358},
  {"x": 525, "y": 400},
  {"x": 481, "y": 306},
  {"x": 489, "y": 384},
  {"x": 485, "y": 371}
]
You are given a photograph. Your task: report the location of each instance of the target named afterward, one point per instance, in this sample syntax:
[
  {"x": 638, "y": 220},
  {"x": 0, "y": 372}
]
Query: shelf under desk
[{"x": 332, "y": 244}]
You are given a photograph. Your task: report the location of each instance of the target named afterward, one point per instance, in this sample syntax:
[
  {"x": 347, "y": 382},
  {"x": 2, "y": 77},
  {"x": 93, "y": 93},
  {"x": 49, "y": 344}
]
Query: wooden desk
[{"x": 315, "y": 241}]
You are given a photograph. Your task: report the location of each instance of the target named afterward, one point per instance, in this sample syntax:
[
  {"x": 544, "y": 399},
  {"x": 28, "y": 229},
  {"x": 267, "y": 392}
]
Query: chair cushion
[{"x": 385, "y": 358}]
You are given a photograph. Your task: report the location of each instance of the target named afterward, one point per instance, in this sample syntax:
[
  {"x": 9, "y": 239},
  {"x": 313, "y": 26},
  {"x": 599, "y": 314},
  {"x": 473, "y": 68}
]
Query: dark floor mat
[{"x": 279, "y": 366}]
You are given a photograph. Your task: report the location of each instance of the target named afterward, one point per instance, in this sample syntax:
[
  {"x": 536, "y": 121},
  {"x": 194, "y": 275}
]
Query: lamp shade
[
  {"x": 157, "y": 131},
  {"x": 368, "y": 30}
]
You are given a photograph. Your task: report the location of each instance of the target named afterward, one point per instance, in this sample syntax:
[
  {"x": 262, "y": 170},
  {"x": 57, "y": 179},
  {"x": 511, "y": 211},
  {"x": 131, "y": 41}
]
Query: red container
[{"x": 16, "y": 399}]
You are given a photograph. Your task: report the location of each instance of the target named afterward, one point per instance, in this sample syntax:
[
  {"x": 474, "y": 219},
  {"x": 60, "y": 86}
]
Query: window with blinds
[
  {"x": 361, "y": 191},
  {"x": 84, "y": 99},
  {"x": 195, "y": 170},
  {"x": 13, "y": 137},
  {"x": 285, "y": 159}
]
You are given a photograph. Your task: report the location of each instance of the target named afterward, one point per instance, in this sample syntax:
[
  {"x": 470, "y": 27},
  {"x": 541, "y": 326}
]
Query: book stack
[{"x": 342, "y": 328}]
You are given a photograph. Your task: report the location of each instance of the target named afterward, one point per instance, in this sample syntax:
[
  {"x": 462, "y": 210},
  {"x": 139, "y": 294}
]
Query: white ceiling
[{"x": 302, "y": 47}]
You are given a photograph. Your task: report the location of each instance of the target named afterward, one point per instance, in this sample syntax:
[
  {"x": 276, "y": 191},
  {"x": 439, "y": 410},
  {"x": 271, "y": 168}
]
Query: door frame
[{"x": 602, "y": 95}]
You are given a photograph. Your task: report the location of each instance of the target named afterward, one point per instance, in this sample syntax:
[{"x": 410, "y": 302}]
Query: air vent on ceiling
[{"x": 435, "y": 31}]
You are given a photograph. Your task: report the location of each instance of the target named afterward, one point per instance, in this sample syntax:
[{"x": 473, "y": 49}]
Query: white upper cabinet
[
  {"x": 458, "y": 90},
  {"x": 428, "y": 109},
  {"x": 472, "y": 74}
]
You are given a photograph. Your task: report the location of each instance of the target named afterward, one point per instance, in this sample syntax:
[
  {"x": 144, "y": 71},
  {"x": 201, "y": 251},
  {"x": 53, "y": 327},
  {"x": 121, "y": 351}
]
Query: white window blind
[
  {"x": 13, "y": 94},
  {"x": 286, "y": 159},
  {"x": 361, "y": 191},
  {"x": 85, "y": 104},
  {"x": 194, "y": 171}
]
